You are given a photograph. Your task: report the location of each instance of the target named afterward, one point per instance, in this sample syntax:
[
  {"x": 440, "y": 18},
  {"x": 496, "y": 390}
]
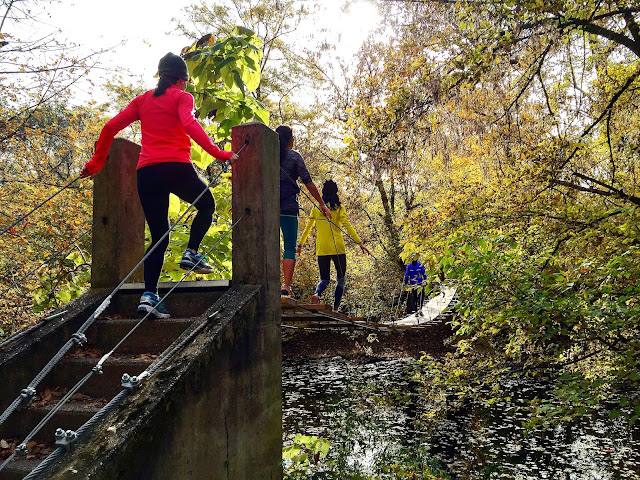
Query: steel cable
[
  {"x": 81, "y": 432},
  {"x": 313, "y": 202},
  {"x": 135, "y": 327},
  {"x": 98, "y": 366},
  {"x": 88, "y": 426},
  {"x": 105, "y": 303},
  {"x": 328, "y": 220},
  {"x": 46, "y": 418},
  {"x": 38, "y": 378},
  {"x": 6, "y": 229}
]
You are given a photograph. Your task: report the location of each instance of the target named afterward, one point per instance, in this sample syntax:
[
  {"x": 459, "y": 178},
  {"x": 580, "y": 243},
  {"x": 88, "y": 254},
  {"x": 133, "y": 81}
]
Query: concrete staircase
[
  {"x": 149, "y": 340},
  {"x": 214, "y": 409}
]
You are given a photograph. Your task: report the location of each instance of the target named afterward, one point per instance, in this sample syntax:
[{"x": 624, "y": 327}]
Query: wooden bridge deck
[{"x": 296, "y": 314}]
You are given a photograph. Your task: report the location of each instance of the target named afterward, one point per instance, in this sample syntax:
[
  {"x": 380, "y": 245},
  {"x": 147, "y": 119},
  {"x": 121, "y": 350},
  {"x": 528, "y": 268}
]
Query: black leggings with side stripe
[
  {"x": 155, "y": 183},
  {"x": 324, "y": 265}
]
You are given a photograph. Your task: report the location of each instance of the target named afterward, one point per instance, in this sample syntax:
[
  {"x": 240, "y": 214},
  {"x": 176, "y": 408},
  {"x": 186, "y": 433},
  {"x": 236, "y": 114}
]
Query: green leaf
[{"x": 174, "y": 205}]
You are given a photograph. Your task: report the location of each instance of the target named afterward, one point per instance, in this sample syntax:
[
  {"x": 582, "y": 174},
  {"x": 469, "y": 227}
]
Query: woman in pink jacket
[{"x": 164, "y": 167}]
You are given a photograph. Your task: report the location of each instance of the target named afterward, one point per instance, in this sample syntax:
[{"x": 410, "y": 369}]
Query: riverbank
[{"x": 354, "y": 343}]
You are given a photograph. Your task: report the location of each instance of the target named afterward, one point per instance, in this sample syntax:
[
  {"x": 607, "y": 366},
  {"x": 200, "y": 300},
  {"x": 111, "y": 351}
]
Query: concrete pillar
[{"x": 118, "y": 220}]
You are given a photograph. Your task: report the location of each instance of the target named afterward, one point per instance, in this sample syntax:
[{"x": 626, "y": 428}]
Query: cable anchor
[
  {"x": 27, "y": 394},
  {"x": 22, "y": 450},
  {"x": 131, "y": 384},
  {"x": 79, "y": 338},
  {"x": 66, "y": 439}
]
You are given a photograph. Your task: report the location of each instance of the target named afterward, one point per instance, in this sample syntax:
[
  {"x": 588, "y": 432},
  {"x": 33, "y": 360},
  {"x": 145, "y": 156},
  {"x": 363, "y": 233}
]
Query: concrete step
[
  {"x": 70, "y": 370},
  {"x": 19, "y": 468},
  {"x": 146, "y": 343},
  {"x": 152, "y": 336},
  {"x": 70, "y": 416},
  {"x": 188, "y": 299}
]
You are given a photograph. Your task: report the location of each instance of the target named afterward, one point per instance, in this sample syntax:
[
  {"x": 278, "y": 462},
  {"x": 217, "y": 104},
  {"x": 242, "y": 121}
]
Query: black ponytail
[
  {"x": 330, "y": 195},
  {"x": 284, "y": 134},
  {"x": 163, "y": 84}
]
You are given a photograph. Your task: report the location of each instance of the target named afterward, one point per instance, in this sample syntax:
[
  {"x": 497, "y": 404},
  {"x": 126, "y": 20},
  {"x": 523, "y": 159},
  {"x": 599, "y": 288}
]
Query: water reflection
[
  {"x": 492, "y": 441},
  {"x": 370, "y": 412},
  {"x": 366, "y": 410}
]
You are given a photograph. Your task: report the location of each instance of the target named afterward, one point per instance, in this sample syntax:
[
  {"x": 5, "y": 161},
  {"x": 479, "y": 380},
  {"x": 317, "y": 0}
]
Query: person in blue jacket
[{"x": 414, "y": 276}]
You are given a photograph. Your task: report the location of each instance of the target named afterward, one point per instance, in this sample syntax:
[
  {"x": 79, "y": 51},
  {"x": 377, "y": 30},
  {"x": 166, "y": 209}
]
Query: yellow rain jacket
[{"x": 328, "y": 231}]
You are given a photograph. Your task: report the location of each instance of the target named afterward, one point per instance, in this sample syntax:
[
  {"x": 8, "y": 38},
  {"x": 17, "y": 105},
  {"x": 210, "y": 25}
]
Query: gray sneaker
[
  {"x": 150, "y": 303},
  {"x": 196, "y": 262}
]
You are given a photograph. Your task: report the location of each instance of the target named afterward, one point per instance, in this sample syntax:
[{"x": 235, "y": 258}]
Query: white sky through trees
[{"x": 139, "y": 32}]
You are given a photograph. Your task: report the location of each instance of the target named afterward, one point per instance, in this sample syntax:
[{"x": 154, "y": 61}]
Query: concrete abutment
[{"x": 214, "y": 410}]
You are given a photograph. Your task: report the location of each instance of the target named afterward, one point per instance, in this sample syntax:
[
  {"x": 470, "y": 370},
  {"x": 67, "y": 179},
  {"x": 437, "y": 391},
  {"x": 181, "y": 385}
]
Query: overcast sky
[{"x": 140, "y": 31}]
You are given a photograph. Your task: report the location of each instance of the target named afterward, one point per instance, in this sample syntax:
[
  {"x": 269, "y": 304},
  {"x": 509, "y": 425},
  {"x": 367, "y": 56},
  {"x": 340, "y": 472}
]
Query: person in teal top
[
  {"x": 330, "y": 243},
  {"x": 292, "y": 167}
]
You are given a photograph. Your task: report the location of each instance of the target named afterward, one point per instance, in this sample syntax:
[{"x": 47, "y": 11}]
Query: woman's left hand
[
  {"x": 234, "y": 157},
  {"x": 364, "y": 249}
]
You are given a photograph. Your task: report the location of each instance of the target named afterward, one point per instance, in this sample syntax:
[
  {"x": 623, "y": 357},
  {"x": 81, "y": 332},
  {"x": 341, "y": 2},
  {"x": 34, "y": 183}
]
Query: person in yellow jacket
[{"x": 329, "y": 242}]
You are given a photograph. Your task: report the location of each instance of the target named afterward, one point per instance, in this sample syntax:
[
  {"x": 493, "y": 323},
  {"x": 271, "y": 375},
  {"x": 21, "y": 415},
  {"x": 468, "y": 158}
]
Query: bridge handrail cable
[
  {"x": 22, "y": 217},
  {"x": 313, "y": 202},
  {"x": 28, "y": 393},
  {"x": 97, "y": 369}
]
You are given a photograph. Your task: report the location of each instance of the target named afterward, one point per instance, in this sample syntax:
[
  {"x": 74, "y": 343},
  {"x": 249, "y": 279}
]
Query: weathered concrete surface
[
  {"x": 22, "y": 358},
  {"x": 189, "y": 299},
  {"x": 214, "y": 411},
  {"x": 118, "y": 220},
  {"x": 206, "y": 415}
]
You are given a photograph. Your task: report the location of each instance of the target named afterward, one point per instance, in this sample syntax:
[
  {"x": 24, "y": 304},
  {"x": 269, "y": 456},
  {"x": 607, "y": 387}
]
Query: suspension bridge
[
  {"x": 95, "y": 393},
  {"x": 435, "y": 310}
]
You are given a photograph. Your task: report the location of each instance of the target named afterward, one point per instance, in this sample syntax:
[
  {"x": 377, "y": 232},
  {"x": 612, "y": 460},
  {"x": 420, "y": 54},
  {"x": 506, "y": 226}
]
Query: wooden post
[
  {"x": 256, "y": 261},
  {"x": 256, "y": 195},
  {"x": 118, "y": 220}
]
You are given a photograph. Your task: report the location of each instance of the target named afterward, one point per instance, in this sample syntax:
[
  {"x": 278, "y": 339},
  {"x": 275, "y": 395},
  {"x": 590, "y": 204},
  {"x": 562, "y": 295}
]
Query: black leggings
[
  {"x": 155, "y": 183},
  {"x": 417, "y": 294},
  {"x": 324, "y": 265}
]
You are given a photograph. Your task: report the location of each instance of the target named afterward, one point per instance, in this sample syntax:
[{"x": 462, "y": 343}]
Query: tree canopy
[{"x": 497, "y": 141}]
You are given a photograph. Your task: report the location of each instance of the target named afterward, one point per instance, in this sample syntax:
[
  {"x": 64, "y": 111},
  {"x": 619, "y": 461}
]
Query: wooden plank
[
  {"x": 289, "y": 303},
  {"x": 307, "y": 315}
]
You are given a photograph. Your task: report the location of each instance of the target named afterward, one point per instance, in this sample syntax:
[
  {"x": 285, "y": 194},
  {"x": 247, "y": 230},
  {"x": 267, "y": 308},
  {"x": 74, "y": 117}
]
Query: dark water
[{"x": 372, "y": 416}]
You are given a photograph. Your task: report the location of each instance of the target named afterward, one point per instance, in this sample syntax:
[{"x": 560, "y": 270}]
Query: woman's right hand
[
  {"x": 234, "y": 157},
  {"x": 325, "y": 211},
  {"x": 84, "y": 173}
]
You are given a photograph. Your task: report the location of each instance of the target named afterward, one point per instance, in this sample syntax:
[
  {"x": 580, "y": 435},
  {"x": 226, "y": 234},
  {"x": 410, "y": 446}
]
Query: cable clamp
[
  {"x": 27, "y": 394},
  {"x": 66, "y": 439},
  {"x": 131, "y": 384},
  {"x": 97, "y": 369},
  {"x": 79, "y": 338},
  {"x": 22, "y": 450}
]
